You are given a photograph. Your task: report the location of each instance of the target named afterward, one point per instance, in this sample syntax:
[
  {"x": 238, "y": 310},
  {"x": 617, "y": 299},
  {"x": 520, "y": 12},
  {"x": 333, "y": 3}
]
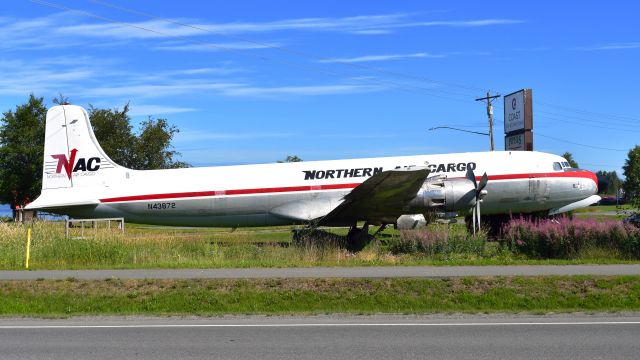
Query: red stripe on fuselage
[
  {"x": 272, "y": 190},
  {"x": 230, "y": 192},
  {"x": 567, "y": 174}
]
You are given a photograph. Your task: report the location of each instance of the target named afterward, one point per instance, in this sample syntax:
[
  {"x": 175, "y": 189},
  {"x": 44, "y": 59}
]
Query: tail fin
[{"x": 72, "y": 156}]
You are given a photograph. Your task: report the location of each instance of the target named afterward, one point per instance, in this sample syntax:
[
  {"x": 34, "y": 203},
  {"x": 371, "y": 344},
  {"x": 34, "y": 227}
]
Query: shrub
[{"x": 565, "y": 238}]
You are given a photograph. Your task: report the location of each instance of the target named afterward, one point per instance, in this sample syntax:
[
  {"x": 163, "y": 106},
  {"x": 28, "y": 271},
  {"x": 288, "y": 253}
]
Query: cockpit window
[
  {"x": 566, "y": 164},
  {"x": 557, "y": 166}
]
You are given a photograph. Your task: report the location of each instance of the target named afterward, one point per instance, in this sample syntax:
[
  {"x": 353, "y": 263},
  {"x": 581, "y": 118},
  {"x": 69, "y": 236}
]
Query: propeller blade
[
  {"x": 483, "y": 183},
  {"x": 472, "y": 176}
]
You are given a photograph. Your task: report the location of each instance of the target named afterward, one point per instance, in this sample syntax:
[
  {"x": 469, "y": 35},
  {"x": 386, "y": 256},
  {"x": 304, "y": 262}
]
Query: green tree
[
  {"x": 569, "y": 157},
  {"x": 60, "y": 99},
  {"x": 632, "y": 174},
  {"x": 290, "y": 158},
  {"x": 21, "y": 152},
  {"x": 151, "y": 149},
  {"x": 114, "y": 132},
  {"x": 153, "y": 146},
  {"x": 608, "y": 182}
]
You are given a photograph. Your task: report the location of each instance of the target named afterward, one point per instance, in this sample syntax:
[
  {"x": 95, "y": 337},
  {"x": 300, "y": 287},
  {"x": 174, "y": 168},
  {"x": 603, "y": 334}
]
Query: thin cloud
[
  {"x": 21, "y": 77},
  {"x": 232, "y": 89},
  {"x": 310, "y": 90},
  {"x": 533, "y": 49},
  {"x": 368, "y": 58},
  {"x": 192, "y": 136},
  {"x": 147, "y": 109},
  {"x": 87, "y": 77},
  {"x": 168, "y": 88},
  {"x": 215, "y": 46},
  {"x": 612, "y": 46},
  {"x": 56, "y": 29},
  {"x": 102, "y": 81},
  {"x": 469, "y": 23},
  {"x": 372, "y": 32}
]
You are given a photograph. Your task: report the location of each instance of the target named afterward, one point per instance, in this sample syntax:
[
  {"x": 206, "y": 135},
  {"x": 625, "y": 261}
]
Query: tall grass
[
  {"x": 438, "y": 240},
  {"x": 567, "y": 238},
  {"x": 193, "y": 248},
  {"x": 50, "y": 249},
  {"x": 437, "y": 244}
]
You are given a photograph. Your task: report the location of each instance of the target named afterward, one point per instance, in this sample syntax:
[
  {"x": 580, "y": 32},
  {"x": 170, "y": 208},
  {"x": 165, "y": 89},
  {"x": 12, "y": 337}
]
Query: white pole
[{"x": 474, "y": 220}]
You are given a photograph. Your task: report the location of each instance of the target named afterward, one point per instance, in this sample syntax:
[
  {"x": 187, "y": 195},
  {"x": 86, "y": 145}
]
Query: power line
[
  {"x": 589, "y": 112},
  {"x": 613, "y": 121},
  {"x": 611, "y": 118},
  {"x": 579, "y": 144},
  {"x": 580, "y": 120},
  {"x": 452, "y": 128},
  {"x": 587, "y": 125}
]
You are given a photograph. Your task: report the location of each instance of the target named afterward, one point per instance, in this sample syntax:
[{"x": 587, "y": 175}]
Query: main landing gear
[{"x": 358, "y": 238}]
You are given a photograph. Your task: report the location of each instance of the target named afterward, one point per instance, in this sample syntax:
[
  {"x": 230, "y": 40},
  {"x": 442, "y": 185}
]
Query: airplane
[{"x": 81, "y": 181}]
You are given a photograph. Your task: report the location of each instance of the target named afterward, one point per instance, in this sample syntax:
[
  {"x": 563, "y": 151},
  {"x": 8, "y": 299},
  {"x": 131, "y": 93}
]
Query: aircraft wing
[{"x": 379, "y": 199}]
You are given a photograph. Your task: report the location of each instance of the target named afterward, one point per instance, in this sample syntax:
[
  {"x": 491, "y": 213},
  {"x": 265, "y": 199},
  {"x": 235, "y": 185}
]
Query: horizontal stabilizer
[{"x": 60, "y": 198}]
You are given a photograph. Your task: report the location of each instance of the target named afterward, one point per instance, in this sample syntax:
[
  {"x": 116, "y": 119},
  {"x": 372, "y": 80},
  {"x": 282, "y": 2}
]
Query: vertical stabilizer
[{"x": 72, "y": 155}]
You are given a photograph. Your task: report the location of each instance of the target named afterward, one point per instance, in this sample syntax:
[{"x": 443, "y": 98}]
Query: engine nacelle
[{"x": 443, "y": 195}]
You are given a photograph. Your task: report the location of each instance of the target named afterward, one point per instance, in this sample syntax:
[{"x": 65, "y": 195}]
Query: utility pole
[{"x": 489, "y": 98}]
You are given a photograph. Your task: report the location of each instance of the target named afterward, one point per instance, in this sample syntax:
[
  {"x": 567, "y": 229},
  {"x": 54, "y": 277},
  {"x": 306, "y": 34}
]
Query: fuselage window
[{"x": 557, "y": 166}]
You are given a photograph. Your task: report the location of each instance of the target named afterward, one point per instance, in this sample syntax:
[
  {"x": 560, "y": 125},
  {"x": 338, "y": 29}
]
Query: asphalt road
[
  {"x": 330, "y": 337},
  {"x": 328, "y": 272}
]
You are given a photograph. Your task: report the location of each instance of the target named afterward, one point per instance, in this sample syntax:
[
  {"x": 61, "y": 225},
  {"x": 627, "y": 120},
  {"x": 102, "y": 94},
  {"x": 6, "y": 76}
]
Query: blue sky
[{"x": 255, "y": 81}]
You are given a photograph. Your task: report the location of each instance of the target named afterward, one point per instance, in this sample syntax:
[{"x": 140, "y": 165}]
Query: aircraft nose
[{"x": 594, "y": 182}]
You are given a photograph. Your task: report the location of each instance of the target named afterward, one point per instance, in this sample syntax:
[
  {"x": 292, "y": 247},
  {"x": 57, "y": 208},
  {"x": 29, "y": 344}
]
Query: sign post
[{"x": 26, "y": 262}]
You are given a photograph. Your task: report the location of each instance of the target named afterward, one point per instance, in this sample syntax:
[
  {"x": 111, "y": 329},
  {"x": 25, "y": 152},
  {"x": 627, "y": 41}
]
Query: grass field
[
  {"x": 162, "y": 247},
  {"x": 319, "y": 296}
]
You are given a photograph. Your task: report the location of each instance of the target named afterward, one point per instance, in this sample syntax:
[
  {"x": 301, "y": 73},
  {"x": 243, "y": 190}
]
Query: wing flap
[{"x": 379, "y": 198}]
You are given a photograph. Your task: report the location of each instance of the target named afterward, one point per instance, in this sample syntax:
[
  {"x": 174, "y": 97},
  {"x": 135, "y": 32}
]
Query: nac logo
[{"x": 71, "y": 165}]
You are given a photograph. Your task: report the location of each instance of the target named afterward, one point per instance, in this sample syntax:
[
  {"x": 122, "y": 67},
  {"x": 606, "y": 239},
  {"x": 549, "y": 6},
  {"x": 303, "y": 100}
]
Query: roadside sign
[
  {"x": 518, "y": 113},
  {"x": 518, "y": 121},
  {"x": 522, "y": 141}
]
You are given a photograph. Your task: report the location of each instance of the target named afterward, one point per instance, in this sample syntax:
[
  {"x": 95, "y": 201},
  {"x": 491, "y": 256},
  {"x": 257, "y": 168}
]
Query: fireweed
[{"x": 565, "y": 238}]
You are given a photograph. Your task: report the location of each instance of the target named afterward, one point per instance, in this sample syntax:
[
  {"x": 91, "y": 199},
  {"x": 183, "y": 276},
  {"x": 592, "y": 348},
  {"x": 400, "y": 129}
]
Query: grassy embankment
[
  {"x": 604, "y": 208},
  {"x": 161, "y": 247},
  {"x": 319, "y": 296}
]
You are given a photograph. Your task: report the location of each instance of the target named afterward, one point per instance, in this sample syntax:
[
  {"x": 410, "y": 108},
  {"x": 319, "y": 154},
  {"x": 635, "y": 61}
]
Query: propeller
[{"x": 480, "y": 192}]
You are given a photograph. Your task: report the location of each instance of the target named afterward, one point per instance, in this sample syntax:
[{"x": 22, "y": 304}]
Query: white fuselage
[{"x": 250, "y": 195}]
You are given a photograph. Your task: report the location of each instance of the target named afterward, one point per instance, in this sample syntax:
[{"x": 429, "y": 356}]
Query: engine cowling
[{"x": 443, "y": 195}]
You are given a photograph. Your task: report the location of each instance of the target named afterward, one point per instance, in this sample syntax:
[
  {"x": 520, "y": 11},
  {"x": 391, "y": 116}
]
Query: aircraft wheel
[{"x": 357, "y": 238}]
